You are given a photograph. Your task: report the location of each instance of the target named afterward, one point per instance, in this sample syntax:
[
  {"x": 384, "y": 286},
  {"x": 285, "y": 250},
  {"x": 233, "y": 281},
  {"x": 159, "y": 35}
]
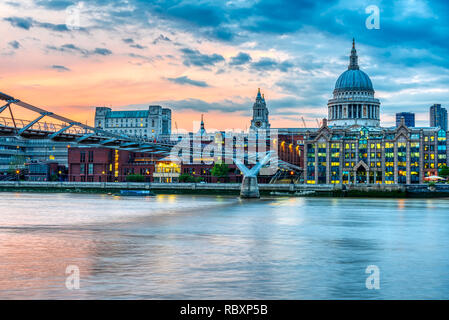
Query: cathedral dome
[
  {"x": 353, "y": 102},
  {"x": 353, "y": 80}
]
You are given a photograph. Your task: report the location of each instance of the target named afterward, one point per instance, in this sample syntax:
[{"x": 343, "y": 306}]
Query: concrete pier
[{"x": 249, "y": 188}]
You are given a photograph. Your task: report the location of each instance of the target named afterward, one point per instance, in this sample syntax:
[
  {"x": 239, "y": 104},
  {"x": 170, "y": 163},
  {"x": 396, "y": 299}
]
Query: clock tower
[{"x": 260, "y": 114}]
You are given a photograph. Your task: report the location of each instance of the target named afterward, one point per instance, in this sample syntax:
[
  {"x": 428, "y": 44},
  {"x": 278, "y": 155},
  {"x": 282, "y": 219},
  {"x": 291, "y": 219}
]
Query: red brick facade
[{"x": 109, "y": 165}]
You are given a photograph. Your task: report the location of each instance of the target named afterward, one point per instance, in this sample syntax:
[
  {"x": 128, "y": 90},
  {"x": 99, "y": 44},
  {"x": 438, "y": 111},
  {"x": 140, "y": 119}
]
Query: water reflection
[{"x": 175, "y": 247}]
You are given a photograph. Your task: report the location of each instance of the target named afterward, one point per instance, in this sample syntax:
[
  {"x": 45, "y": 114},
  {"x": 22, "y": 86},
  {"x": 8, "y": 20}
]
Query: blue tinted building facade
[
  {"x": 409, "y": 119},
  {"x": 438, "y": 116}
]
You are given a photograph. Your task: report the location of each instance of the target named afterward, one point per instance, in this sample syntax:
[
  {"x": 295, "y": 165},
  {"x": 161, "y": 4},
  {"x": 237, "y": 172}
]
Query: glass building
[
  {"x": 409, "y": 118},
  {"x": 438, "y": 116}
]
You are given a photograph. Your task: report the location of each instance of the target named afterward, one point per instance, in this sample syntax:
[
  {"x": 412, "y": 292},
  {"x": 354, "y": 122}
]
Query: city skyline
[{"x": 139, "y": 53}]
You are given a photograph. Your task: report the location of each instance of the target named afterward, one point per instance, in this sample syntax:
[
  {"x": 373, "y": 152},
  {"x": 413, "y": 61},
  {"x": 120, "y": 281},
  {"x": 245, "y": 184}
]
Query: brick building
[{"x": 90, "y": 164}]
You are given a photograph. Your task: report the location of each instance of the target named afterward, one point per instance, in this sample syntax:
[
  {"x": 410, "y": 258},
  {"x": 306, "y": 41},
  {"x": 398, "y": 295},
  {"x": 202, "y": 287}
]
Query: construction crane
[
  {"x": 318, "y": 123},
  {"x": 304, "y": 122},
  {"x": 176, "y": 126}
]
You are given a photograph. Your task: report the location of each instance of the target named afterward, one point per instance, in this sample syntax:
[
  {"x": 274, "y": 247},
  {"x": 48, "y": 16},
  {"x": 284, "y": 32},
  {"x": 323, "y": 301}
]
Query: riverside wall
[{"x": 362, "y": 190}]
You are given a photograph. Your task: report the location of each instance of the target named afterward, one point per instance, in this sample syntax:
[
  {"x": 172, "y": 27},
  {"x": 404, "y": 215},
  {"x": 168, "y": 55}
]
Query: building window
[
  {"x": 82, "y": 157},
  {"x": 90, "y": 170}
]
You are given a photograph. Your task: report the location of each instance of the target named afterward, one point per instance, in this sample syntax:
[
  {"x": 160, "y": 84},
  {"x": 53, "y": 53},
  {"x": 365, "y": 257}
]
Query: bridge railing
[{"x": 41, "y": 126}]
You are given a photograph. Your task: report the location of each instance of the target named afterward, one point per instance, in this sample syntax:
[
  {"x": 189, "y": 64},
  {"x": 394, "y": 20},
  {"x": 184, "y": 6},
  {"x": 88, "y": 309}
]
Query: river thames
[{"x": 212, "y": 247}]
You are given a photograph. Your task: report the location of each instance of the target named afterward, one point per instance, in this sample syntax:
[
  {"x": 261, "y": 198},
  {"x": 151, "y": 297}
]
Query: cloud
[
  {"x": 161, "y": 38},
  {"x": 102, "y": 51},
  {"x": 23, "y": 23},
  {"x": 60, "y": 68},
  {"x": 199, "y": 14},
  {"x": 410, "y": 48},
  {"x": 132, "y": 44},
  {"x": 14, "y": 44},
  {"x": 137, "y": 46},
  {"x": 268, "y": 64},
  {"x": 184, "y": 80},
  {"x": 128, "y": 40},
  {"x": 55, "y": 4},
  {"x": 142, "y": 59},
  {"x": 28, "y": 23},
  {"x": 195, "y": 58},
  {"x": 227, "y": 106},
  {"x": 71, "y": 48},
  {"x": 52, "y": 27},
  {"x": 291, "y": 106},
  {"x": 13, "y": 4},
  {"x": 240, "y": 59}
]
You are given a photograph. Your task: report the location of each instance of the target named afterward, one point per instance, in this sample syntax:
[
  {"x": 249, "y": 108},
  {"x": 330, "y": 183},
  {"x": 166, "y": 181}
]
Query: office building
[
  {"x": 409, "y": 119},
  {"x": 438, "y": 116},
  {"x": 150, "y": 124}
]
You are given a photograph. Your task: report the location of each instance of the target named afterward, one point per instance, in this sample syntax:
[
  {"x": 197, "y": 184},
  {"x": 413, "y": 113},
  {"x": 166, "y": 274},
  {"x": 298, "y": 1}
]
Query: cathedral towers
[{"x": 260, "y": 113}]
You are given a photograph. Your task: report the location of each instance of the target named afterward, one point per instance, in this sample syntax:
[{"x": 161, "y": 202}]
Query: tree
[
  {"x": 185, "y": 177},
  {"x": 188, "y": 178},
  {"x": 444, "y": 172},
  {"x": 135, "y": 178},
  {"x": 16, "y": 163},
  {"x": 220, "y": 170}
]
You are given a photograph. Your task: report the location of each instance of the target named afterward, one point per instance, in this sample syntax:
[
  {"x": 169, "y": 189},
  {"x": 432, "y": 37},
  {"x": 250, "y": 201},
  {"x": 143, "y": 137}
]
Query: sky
[{"x": 210, "y": 57}]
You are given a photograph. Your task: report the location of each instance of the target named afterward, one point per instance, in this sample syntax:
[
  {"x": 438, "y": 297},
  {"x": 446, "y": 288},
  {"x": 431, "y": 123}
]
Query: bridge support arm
[
  {"x": 54, "y": 135},
  {"x": 86, "y": 136},
  {"x": 7, "y": 104},
  {"x": 4, "y": 107},
  {"x": 108, "y": 141},
  {"x": 32, "y": 123}
]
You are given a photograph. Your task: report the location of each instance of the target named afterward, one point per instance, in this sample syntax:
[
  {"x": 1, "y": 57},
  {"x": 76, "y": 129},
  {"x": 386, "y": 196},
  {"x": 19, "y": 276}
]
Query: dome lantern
[{"x": 353, "y": 59}]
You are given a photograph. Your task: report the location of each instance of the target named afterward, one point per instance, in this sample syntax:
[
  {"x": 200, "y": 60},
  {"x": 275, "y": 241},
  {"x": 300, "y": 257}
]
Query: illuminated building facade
[
  {"x": 352, "y": 148},
  {"x": 166, "y": 172},
  {"x": 90, "y": 164},
  {"x": 19, "y": 153},
  {"x": 396, "y": 155}
]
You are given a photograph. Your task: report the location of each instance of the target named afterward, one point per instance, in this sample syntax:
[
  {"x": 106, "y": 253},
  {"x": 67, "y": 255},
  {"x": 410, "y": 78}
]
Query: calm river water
[{"x": 208, "y": 247}]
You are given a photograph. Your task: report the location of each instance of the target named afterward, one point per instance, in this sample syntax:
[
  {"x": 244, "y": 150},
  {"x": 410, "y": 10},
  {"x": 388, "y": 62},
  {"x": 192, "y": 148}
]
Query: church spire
[
  {"x": 202, "y": 130},
  {"x": 353, "y": 59}
]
